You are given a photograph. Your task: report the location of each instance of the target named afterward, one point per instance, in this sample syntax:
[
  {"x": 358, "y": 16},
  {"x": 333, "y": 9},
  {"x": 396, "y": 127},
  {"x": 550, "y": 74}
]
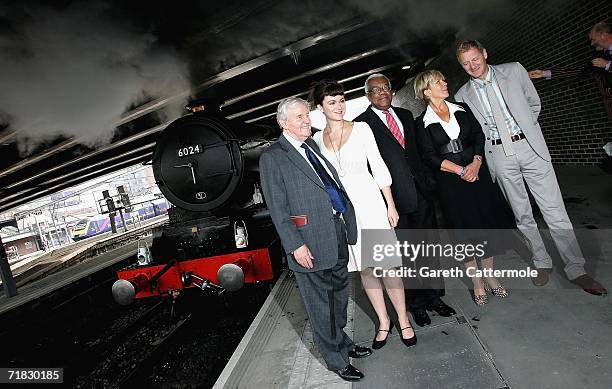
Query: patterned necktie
[
  {"x": 394, "y": 128},
  {"x": 500, "y": 120},
  {"x": 331, "y": 187}
]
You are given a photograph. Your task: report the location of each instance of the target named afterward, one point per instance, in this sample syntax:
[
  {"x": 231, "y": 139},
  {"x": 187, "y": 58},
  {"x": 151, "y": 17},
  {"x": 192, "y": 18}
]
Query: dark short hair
[
  {"x": 602, "y": 27},
  {"x": 324, "y": 88},
  {"x": 464, "y": 46}
]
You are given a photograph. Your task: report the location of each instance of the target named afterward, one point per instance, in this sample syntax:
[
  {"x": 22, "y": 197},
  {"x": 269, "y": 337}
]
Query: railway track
[
  {"x": 101, "y": 344},
  {"x": 130, "y": 347},
  {"x": 143, "y": 368}
]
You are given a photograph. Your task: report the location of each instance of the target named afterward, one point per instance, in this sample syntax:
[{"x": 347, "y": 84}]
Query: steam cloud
[
  {"x": 422, "y": 17},
  {"x": 74, "y": 71}
]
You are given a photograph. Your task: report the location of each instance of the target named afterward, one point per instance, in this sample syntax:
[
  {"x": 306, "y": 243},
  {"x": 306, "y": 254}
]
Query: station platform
[
  {"x": 556, "y": 336},
  {"x": 53, "y": 282},
  {"x": 46, "y": 274}
]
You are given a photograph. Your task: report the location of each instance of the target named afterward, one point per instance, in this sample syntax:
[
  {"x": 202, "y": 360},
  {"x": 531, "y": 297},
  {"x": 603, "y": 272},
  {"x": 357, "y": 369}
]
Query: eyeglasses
[{"x": 377, "y": 90}]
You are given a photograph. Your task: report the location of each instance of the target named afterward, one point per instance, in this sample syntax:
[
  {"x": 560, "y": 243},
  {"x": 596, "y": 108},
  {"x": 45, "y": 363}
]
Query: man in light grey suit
[
  {"x": 315, "y": 220},
  {"x": 507, "y": 105}
]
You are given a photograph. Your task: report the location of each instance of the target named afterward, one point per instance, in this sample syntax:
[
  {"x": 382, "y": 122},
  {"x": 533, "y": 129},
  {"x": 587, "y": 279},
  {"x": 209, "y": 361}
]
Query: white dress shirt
[
  {"x": 383, "y": 117},
  {"x": 298, "y": 146},
  {"x": 452, "y": 127}
]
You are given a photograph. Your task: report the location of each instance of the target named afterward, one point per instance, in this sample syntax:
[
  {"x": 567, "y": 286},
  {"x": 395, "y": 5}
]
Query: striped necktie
[{"x": 394, "y": 128}]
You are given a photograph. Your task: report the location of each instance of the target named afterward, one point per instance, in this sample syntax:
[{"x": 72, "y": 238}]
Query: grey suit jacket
[
  {"x": 291, "y": 187},
  {"x": 521, "y": 98}
]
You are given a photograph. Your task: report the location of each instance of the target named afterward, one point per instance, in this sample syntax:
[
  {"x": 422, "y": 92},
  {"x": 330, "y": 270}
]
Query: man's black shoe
[
  {"x": 360, "y": 352},
  {"x": 589, "y": 285},
  {"x": 421, "y": 317},
  {"x": 442, "y": 309},
  {"x": 350, "y": 373}
]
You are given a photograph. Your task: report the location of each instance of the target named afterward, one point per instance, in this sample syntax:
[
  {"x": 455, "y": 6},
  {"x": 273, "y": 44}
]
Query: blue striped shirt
[{"x": 479, "y": 86}]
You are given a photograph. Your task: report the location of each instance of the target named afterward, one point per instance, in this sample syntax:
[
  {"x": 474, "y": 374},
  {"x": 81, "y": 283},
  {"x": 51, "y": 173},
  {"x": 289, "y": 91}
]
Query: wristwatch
[{"x": 478, "y": 158}]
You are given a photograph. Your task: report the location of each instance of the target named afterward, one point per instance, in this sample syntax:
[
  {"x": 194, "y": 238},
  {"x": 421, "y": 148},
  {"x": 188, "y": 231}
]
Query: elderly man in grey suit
[
  {"x": 315, "y": 220},
  {"x": 507, "y": 105}
]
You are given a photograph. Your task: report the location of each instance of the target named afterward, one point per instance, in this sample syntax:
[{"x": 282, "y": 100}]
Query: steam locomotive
[{"x": 219, "y": 234}]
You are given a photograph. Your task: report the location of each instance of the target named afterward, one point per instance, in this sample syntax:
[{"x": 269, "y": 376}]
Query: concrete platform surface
[{"x": 555, "y": 336}]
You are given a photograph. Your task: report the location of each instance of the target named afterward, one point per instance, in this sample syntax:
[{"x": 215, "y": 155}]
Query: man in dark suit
[
  {"x": 599, "y": 67},
  {"x": 393, "y": 130},
  {"x": 315, "y": 220}
]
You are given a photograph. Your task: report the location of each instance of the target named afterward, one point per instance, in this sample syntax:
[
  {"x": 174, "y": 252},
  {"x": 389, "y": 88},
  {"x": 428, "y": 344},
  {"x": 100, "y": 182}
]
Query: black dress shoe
[
  {"x": 589, "y": 285},
  {"x": 350, "y": 373},
  {"x": 542, "y": 278},
  {"x": 378, "y": 344},
  {"x": 410, "y": 341},
  {"x": 421, "y": 317},
  {"x": 442, "y": 309},
  {"x": 360, "y": 352}
]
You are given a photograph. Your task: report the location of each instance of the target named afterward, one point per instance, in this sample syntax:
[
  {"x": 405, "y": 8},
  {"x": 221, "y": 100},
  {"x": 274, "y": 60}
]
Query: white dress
[{"x": 363, "y": 190}]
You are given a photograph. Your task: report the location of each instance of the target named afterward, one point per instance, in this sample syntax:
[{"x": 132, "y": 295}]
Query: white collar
[
  {"x": 488, "y": 78},
  {"x": 431, "y": 117},
  {"x": 380, "y": 112},
  {"x": 294, "y": 142}
]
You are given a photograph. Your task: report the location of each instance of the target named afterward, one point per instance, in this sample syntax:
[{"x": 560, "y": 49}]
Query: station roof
[{"x": 269, "y": 61}]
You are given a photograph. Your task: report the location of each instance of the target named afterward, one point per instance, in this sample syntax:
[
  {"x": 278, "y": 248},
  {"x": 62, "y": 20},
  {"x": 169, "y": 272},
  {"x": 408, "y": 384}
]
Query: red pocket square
[{"x": 299, "y": 220}]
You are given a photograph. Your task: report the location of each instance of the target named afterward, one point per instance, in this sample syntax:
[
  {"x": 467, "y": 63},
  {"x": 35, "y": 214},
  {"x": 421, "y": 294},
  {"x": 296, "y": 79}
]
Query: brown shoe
[
  {"x": 589, "y": 285},
  {"x": 542, "y": 278}
]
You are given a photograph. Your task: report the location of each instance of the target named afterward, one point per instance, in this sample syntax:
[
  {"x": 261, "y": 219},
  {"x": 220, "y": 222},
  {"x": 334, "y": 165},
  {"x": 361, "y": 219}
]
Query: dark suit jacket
[
  {"x": 432, "y": 137},
  {"x": 586, "y": 68},
  {"x": 405, "y": 165},
  {"x": 291, "y": 187},
  {"x": 602, "y": 77}
]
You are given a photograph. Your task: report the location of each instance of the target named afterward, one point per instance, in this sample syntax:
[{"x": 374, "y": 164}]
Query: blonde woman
[{"x": 452, "y": 143}]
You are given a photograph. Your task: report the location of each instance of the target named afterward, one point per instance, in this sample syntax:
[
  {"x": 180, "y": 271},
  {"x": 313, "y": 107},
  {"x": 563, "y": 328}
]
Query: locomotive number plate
[{"x": 189, "y": 150}]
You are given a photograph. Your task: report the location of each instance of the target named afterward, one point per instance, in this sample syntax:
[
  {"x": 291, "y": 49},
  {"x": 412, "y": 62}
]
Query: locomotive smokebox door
[
  {"x": 198, "y": 163},
  {"x": 207, "y": 167}
]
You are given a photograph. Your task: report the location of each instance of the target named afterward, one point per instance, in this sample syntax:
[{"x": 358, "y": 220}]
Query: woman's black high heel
[
  {"x": 378, "y": 344},
  {"x": 410, "y": 341}
]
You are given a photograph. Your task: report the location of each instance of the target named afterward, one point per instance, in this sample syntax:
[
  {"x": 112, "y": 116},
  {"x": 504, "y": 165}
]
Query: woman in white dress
[{"x": 351, "y": 147}]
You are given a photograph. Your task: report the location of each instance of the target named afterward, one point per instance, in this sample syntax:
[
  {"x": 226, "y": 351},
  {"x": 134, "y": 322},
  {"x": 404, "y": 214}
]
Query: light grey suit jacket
[
  {"x": 521, "y": 98},
  {"x": 291, "y": 187}
]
